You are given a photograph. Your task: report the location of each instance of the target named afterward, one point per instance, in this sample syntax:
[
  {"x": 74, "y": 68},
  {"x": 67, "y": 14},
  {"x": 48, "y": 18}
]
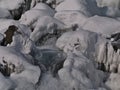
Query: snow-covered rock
[
  {"x": 5, "y": 23},
  {"x": 81, "y": 40},
  {"x": 46, "y": 25},
  {"x": 77, "y": 5},
  {"x": 103, "y": 25},
  {"x": 30, "y": 19},
  {"x": 77, "y": 72},
  {"x": 20, "y": 40},
  {"x": 71, "y": 17},
  {"x": 22, "y": 67}
]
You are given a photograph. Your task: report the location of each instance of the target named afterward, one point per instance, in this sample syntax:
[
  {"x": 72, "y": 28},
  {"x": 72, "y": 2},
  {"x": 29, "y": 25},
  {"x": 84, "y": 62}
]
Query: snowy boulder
[
  {"x": 46, "y": 26},
  {"x": 81, "y": 40},
  {"x": 17, "y": 65},
  {"x": 86, "y": 7},
  {"x": 77, "y": 5},
  {"x": 71, "y": 17},
  {"x": 30, "y": 19},
  {"x": 15, "y": 34},
  {"x": 5, "y": 23},
  {"x": 77, "y": 72},
  {"x": 103, "y": 25}
]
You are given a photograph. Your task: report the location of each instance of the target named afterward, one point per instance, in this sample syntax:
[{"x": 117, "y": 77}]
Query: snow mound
[
  {"x": 102, "y": 25},
  {"x": 71, "y": 17},
  {"x": 30, "y": 19},
  {"x": 77, "y": 5},
  {"x": 81, "y": 40},
  {"x": 22, "y": 67}
]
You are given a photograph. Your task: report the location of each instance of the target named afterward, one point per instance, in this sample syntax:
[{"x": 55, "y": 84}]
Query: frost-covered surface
[{"x": 59, "y": 45}]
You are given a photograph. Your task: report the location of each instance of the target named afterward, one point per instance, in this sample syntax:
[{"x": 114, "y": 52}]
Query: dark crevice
[
  {"x": 9, "y": 35},
  {"x": 101, "y": 67},
  {"x": 6, "y": 68},
  {"x": 17, "y": 13},
  {"x": 115, "y": 41}
]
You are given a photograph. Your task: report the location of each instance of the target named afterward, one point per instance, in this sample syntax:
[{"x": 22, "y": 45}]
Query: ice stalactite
[{"x": 108, "y": 56}]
